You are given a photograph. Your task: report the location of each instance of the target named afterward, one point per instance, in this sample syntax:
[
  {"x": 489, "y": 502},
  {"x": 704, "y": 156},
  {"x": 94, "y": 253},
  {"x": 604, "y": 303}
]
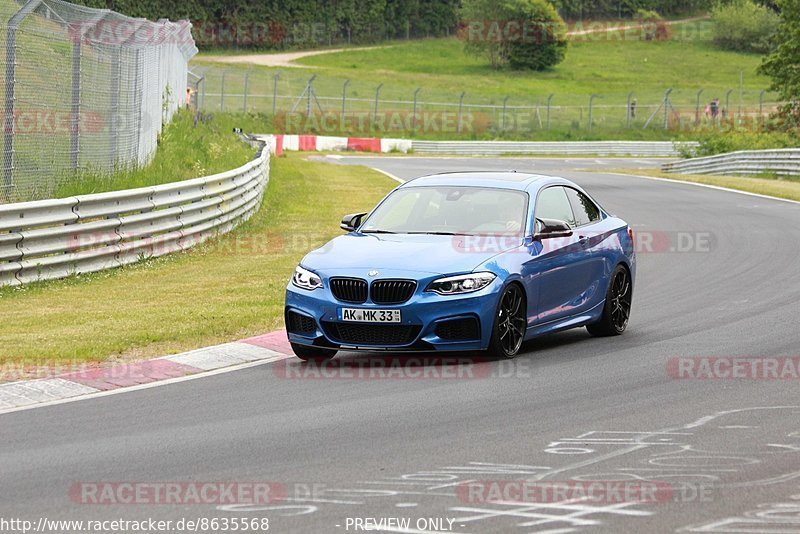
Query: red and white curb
[
  {"x": 315, "y": 143},
  {"x": 94, "y": 381}
]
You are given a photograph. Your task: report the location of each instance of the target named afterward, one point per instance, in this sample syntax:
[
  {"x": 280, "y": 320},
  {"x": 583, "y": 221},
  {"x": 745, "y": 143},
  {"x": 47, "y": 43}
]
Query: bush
[
  {"x": 744, "y": 26},
  {"x": 738, "y": 139},
  {"x": 523, "y": 34}
]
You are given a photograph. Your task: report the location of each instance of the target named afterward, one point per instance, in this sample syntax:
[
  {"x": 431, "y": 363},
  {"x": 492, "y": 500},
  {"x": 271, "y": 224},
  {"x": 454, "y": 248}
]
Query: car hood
[{"x": 436, "y": 254}]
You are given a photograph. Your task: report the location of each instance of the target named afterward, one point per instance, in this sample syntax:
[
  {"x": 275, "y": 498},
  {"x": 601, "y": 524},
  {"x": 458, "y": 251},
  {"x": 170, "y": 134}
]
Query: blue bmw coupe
[{"x": 461, "y": 262}]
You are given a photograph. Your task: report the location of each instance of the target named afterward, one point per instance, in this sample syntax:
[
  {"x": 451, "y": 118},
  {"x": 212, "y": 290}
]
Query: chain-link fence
[
  {"x": 86, "y": 90},
  {"x": 332, "y": 106}
]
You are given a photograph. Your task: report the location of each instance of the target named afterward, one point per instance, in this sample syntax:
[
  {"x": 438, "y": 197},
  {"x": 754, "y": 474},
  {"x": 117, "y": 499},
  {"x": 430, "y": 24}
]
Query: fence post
[
  {"x": 697, "y": 108},
  {"x": 460, "y": 108},
  {"x": 761, "y": 104},
  {"x": 10, "y": 82},
  {"x": 591, "y": 101},
  {"x": 503, "y": 118},
  {"x": 246, "y": 79},
  {"x": 628, "y": 112},
  {"x": 112, "y": 122},
  {"x": 666, "y": 108},
  {"x": 222, "y": 93},
  {"x": 275, "y": 92},
  {"x": 727, "y": 102},
  {"x": 377, "y": 94},
  {"x": 414, "y": 112},
  {"x": 344, "y": 96},
  {"x": 549, "y": 98}
]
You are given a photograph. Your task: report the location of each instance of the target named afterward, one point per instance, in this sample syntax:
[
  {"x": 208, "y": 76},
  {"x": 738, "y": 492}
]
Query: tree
[
  {"x": 783, "y": 65},
  {"x": 524, "y": 34}
]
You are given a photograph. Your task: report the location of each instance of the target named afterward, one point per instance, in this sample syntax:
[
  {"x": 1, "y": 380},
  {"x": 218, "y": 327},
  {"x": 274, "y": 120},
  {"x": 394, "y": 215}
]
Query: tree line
[{"x": 299, "y": 23}]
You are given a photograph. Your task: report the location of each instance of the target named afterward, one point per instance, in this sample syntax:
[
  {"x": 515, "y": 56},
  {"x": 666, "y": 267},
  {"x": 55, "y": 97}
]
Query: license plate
[{"x": 361, "y": 315}]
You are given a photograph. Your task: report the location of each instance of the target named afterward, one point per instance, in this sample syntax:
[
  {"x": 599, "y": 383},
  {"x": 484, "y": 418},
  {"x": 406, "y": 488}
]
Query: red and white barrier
[{"x": 315, "y": 143}]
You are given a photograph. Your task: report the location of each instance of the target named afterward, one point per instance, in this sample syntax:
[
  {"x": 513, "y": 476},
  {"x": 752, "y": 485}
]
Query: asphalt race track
[{"x": 718, "y": 276}]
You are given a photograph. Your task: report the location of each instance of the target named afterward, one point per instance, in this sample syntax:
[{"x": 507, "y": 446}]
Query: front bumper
[{"x": 421, "y": 315}]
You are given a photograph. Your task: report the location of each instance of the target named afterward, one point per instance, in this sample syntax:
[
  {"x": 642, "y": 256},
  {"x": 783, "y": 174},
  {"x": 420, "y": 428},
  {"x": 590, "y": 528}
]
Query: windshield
[{"x": 450, "y": 210}]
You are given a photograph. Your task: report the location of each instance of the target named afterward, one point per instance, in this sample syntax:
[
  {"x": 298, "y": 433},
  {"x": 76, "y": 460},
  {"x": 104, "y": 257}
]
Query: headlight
[
  {"x": 305, "y": 279},
  {"x": 463, "y": 283}
]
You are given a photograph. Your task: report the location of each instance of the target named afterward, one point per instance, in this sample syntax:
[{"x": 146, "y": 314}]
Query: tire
[
  {"x": 617, "y": 309},
  {"x": 510, "y": 323},
  {"x": 312, "y": 354}
]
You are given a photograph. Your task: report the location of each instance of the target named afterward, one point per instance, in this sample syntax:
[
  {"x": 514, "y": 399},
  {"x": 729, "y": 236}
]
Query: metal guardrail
[
  {"x": 785, "y": 161},
  {"x": 48, "y": 239},
  {"x": 568, "y": 148}
]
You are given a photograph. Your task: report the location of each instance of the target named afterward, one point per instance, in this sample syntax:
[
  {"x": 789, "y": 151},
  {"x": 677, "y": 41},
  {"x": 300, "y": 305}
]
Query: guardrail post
[
  {"x": 549, "y": 98},
  {"x": 414, "y": 112},
  {"x": 10, "y": 95}
]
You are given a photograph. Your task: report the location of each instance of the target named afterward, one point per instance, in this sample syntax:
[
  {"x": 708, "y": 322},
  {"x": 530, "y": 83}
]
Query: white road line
[
  {"x": 390, "y": 175},
  {"x": 149, "y": 385},
  {"x": 717, "y": 187}
]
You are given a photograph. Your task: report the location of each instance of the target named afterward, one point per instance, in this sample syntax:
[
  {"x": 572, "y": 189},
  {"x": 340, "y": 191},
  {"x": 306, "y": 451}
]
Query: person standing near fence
[
  {"x": 714, "y": 108},
  {"x": 633, "y": 108}
]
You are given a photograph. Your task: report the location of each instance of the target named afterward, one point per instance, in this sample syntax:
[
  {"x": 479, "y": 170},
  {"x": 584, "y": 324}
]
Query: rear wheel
[
  {"x": 510, "y": 323},
  {"x": 617, "y": 309},
  {"x": 312, "y": 354}
]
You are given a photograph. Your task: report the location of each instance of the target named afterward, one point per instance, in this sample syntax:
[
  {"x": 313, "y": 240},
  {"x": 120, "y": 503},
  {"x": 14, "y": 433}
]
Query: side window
[
  {"x": 554, "y": 204},
  {"x": 585, "y": 210}
]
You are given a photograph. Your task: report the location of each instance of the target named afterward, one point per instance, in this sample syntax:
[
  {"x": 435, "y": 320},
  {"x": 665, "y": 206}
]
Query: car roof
[{"x": 520, "y": 181}]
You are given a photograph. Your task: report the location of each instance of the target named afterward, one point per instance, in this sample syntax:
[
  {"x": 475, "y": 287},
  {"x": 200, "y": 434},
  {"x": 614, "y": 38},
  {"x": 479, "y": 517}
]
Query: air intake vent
[
  {"x": 372, "y": 334},
  {"x": 300, "y": 324}
]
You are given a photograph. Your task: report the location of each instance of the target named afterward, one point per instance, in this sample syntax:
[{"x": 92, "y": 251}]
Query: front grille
[
  {"x": 392, "y": 291},
  {"x": 372, "y": 334},
  {"x": 299, "y": 324},
  {"x": 349, "y": 289},
  {"x": 463, "y": 329}
]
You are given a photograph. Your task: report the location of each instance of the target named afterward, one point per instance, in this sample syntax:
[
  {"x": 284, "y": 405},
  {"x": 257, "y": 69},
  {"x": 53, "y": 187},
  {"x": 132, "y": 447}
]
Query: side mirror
[
  {"x": 550, "y": 228},
  {"x": 352, "y": 221}
]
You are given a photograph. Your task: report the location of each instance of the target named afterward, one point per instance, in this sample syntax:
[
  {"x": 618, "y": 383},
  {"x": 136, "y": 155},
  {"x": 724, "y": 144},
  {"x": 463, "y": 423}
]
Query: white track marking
[
  {"x": 717, "y": 187},
  {"x": 390, "y": 175},
  {"x": 149, "y": 385}
]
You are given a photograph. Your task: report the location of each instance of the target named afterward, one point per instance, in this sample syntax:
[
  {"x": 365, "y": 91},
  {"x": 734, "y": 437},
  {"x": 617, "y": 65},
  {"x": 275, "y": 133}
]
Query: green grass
[
  {"x": 788, "y": 188},
  {"x": 224, "y": 290},
  {"x": 607, "y": 67},
  {"x": 185, "y": 151}
]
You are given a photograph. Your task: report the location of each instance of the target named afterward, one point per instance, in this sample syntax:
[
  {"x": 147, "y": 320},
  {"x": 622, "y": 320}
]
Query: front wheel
[
  {"x": 617, "y": 309},
  {"x": 510, "y": 323},
  {"x": 312, "y": 354}
]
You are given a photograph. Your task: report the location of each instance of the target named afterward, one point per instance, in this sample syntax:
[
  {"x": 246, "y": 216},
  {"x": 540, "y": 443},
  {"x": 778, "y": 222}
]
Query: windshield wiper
[
  {"x": 377, "y": 232},
  {"x": 436, "y": 233}
]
